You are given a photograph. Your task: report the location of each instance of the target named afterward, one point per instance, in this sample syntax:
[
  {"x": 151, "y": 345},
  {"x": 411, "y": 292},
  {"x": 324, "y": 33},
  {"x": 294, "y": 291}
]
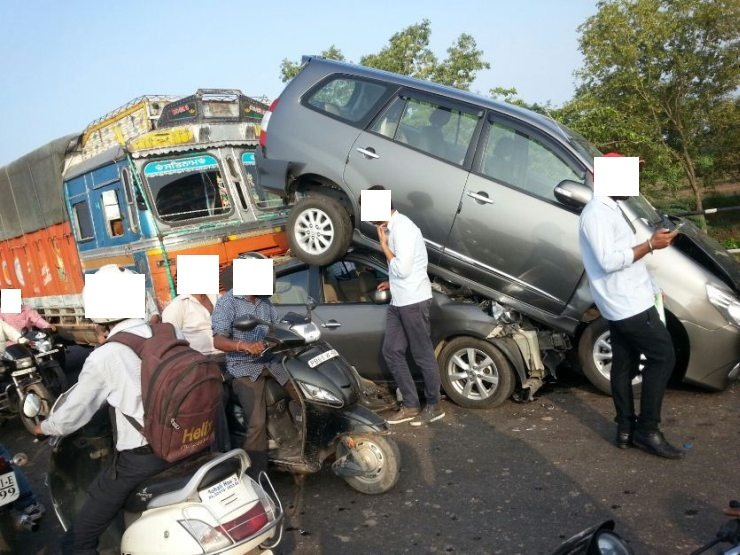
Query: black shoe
[
  {"x": 403, "y": 414},
  {"x": 655, "y": 444},
  {"x": 624, "y": 439}
]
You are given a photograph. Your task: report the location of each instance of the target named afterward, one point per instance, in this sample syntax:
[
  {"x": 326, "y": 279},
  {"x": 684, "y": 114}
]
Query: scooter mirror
[
  {"x": 246, "y": 323},
  {"x": 32, "y": 405}
]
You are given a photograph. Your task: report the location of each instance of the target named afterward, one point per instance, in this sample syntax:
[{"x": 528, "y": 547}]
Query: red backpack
[{"x": 181, "y": 390}]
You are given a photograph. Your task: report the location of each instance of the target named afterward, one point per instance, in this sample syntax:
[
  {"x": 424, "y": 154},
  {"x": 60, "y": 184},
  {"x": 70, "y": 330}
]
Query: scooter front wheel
[{"x": 382, "y": 457}]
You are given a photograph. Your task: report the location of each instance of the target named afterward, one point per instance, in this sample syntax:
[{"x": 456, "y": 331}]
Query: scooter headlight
[
  {"x": 207, "y": 536},
  {"x": 22, "y": 363},
  {"x": 320, "y": 395},
  {"x": 724, "y": 301}
]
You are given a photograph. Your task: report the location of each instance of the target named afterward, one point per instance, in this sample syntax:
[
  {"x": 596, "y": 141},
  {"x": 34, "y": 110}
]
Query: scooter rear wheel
[{"x": 384, "y": 452}]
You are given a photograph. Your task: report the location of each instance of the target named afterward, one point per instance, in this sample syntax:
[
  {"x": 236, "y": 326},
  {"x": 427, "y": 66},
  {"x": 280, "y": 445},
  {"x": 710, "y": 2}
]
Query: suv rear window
[{"x": 346, "y": 98}]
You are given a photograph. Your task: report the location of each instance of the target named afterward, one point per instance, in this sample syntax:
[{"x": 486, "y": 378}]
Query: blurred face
[{"x": 101, "y": 333}]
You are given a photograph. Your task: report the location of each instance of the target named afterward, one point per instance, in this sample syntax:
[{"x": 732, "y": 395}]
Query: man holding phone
[
  {"x": 625, "y": 294},
  {"x": 407, "y": 323}
]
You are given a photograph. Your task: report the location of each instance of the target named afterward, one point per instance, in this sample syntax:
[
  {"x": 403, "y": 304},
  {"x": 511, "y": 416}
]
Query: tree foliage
[
  {"x": 408, "y": 53},
  {"x": 659, "y": 80},
  {"x": 289, "y": 69}
]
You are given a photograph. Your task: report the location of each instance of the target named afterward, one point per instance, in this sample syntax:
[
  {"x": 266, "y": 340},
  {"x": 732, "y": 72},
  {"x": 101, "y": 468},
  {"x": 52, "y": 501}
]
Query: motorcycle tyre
[
  {"x": 58, "y": 378},
  {"x": 388, "y": 477},
  {"x": 47, "y": 400}
]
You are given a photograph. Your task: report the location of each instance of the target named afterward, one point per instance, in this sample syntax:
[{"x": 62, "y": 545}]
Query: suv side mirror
[
  {"x": 247, "y": 323},
  {"x": 381, "y": 297},
  {"x": 573, "y": 193}
]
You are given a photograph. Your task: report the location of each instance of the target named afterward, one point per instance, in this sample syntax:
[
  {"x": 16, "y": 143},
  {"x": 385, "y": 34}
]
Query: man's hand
[
  {"x": 383, "y": 235},
  {"x": 384, "y": 285},
  {"x": 253, "y": 348},
  {"x": 662, "y": 238}
]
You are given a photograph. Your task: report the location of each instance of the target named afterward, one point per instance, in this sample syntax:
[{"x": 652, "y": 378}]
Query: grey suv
[{"x": 496, "y": 191}]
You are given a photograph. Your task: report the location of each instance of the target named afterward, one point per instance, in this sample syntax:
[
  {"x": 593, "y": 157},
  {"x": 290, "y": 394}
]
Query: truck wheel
[
  {"x": 595, "y": 357},
  {"x": 475, "y": 374},
  {"x": 319, "y": 230},
  {"x": 47, "y": 400},
  {"x": 385, "y": 457}
]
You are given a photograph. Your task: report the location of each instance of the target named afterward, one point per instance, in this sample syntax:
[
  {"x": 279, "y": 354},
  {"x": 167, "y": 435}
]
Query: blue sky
[{"x": 64, "y": 64}]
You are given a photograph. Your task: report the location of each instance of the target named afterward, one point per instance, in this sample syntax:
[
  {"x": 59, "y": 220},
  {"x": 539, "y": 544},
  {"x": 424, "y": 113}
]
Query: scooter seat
[{"x": 176, "y": 477}]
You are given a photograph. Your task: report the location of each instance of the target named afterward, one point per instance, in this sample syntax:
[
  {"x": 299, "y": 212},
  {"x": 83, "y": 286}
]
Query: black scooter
[{"x": 332, "y": 422}]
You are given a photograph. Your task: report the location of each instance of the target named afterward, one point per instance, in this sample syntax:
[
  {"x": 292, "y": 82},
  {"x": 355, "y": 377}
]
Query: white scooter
[{"x": 203, "y": 504}]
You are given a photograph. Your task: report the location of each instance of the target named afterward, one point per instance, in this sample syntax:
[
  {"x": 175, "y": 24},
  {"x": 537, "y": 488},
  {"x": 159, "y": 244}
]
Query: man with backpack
[{"x": 113, "y": 374}]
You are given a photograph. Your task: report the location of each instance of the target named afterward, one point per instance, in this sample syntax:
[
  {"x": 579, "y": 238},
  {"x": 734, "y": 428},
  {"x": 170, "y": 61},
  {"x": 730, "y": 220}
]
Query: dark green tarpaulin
[{"x": 31, "y": 196}]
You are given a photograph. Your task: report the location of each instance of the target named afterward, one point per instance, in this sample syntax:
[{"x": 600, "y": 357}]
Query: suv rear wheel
[{"x": 319, "y": 230}]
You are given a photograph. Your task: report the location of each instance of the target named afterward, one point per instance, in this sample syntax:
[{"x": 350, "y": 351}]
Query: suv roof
[{"x": 534, "y": 118}]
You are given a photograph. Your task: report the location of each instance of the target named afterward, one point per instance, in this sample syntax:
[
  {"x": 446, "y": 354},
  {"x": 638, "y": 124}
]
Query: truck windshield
[{"x": 187, "y": 188}]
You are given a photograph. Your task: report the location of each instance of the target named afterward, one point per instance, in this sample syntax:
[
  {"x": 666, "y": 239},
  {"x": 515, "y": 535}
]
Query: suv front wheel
[{"x": 319, "y": 230}]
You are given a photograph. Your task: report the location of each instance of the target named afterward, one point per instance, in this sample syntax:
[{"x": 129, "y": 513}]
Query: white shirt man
[
  {"x": 8, "y": 334},
  {"x": 190, "y": 315}
]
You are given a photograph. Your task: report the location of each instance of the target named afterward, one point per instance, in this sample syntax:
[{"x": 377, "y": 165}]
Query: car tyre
[
  {"x": 319, "y": 230},
  {"x": 594, "y": 357},
  {"x": 488, "y": 384}
]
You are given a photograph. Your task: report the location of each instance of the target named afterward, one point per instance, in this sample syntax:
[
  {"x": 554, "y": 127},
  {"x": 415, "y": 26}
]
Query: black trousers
[
  {"x": 643, "y": 333},
  {"x": 106, "y": 496},
  {"x": 409, "y": 327}
]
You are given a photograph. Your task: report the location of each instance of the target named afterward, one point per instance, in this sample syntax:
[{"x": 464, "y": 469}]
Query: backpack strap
[{"x": 131, "y": 340}]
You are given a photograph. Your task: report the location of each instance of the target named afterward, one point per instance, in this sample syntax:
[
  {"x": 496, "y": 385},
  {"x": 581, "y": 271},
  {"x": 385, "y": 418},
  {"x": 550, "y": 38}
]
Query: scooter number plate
[
  {"x": 9, "y": 490},
  {"x": 323, "y": 357},
  {"x": 223, "y": 488}
]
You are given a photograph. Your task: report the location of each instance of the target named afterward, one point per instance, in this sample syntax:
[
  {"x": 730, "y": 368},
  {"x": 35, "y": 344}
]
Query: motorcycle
[
  {"x": 204, "y": 504},
  {"x": 331, "y": 422},
  {"x": 729, "y": 533},
  {"x": 51, "y": 357},
  {"x": 9, "y": 495},
  {"x": 596, "y": 540},
  {"x": 23, "y": 371}
]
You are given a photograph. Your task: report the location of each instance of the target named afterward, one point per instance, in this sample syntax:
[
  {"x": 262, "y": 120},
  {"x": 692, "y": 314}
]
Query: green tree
[
  {"x": 289, "y": 69},
  {"x": 408, "y": 53},
  {"x": 660, "y": 76}
]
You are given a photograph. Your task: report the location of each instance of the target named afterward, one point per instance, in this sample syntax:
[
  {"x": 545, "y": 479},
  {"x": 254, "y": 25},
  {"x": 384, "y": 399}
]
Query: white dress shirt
[
  {"x": 8, "y": 334},
  {"x": 111, "y": 373},
  {"x": 407, "y": 271},
  {"x": 187, "y": 314},
  {"x": 620, "y": 286}
]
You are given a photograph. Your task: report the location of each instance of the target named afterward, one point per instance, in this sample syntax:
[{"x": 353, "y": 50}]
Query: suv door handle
[
  {"x": 331, "y": 324},
  {"x": 481, "y": 197},
  {"x": 368, "y": 152}
]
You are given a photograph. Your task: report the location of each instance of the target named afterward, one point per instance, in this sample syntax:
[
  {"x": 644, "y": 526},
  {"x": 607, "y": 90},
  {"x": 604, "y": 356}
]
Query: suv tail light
[{"x": 266, "y": 121}]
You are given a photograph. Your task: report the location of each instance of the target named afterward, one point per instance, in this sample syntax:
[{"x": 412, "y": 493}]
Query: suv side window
[
  {"x": 437, "y": 130},
  {"x": 513, "y": 157},
  {"x": 347, "y": 98}
]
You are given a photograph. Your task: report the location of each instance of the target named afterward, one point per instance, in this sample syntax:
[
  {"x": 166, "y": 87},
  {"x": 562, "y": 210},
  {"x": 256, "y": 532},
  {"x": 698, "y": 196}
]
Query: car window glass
[
  {"x": 442, "y": 132},
  {"x": 350, "y": 282},
  {"x": 515, "y": 158},
  {"x": 349, "y": 99},
  {"x": 291, "y": 288},
  {"x": 387, "y": 125}
]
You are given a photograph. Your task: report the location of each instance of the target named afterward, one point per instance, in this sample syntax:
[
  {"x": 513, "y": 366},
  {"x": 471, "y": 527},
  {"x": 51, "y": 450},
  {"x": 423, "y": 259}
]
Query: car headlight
[
  {"x": 724, "y": 301},
  {"x": 208, "y": 537},
  {"x": 320, "y": 395}
]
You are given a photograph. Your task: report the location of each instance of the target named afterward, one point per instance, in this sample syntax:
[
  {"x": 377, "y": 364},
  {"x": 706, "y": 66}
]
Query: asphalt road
[{"x": 517, "y": 479}]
